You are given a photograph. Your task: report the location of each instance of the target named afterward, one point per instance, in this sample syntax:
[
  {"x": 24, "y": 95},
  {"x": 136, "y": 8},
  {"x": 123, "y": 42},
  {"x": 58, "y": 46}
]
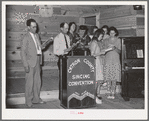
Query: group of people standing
[{"x": 105, "y": 46}]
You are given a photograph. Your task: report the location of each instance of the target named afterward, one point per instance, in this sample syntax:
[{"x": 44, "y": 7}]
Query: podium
[{"x": 77, "y": 82}]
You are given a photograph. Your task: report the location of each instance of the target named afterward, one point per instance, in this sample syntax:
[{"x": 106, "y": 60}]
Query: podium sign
[{"x": 79, "y": 90}]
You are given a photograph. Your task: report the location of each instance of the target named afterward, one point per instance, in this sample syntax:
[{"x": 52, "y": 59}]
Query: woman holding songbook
[
  {"x": 95, "y": 48},
  {"x": 112, "y": 67},
  {"x": 105, "y": 28}
]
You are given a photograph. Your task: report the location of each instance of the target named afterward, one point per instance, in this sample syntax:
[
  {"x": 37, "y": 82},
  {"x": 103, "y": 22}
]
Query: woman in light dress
[
  {"x": 112, "y": 67},
  {"x": 105, "y": 28},
  {"x": 95, "y": 48}
]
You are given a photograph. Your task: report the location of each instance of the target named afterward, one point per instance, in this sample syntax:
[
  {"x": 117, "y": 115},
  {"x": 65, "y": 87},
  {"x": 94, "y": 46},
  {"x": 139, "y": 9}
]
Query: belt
[
  {"x": 61, "y": 56},
  {"x": 38, "y": 54}
]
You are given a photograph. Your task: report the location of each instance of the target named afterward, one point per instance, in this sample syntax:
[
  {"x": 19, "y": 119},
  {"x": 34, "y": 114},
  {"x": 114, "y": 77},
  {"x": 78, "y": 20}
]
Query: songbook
[
  {"x": 108, "y": 49},
  {"x": 73, "y": 46},
  {"x": 50, "y": 39},
  {"x": 139, "y": 53}
]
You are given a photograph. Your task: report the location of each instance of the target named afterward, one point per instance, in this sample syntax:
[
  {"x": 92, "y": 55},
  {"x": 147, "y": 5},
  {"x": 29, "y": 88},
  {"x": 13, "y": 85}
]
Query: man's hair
[
  {"x": 62, "y": 24},
  {"x": 28, "y": 23}
]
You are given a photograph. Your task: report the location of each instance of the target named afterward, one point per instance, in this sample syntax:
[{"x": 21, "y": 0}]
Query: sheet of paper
[
  {"x": 108, "y": 49},
  {"x": 47, "y": 41},
  {"x": 139, "y": 53}
]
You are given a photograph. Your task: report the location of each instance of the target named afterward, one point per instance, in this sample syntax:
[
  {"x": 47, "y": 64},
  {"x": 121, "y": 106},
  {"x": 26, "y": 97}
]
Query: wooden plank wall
[
  {"x": 128, "y": 21},
  {"x": 16, "y": 16}
]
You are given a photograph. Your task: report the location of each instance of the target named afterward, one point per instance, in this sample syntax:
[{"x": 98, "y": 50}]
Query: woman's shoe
[
  {"x": 98, "y": 101},
  {"x": 111, "y": 97}
]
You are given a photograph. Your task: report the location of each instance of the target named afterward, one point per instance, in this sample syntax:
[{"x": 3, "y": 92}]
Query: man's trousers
[{"x": 33, "y": 84}]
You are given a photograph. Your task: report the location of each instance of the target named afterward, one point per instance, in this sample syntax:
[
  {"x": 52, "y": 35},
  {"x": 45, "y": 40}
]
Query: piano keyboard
[{"x": 138, "y": 67}]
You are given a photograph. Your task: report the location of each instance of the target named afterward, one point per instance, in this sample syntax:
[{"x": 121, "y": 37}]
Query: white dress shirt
[
  {"x": 60, "y": 44},
  {"x": 38, "y": 48}
]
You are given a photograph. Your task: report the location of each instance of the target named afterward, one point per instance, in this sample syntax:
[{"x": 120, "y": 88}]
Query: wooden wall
[
  {"x": 129, "y": 22},
  {"x": 16, "y": 16}
]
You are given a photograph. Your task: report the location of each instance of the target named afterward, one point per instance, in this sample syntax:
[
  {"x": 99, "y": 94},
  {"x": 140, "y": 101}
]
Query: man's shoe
[
  {"x": 29, "y": 106},
  {"x": 41, "y": 102}
]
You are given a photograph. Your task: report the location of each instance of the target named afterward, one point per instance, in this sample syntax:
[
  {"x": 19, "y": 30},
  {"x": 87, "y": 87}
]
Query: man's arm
[{"x": 24, "y": 53}]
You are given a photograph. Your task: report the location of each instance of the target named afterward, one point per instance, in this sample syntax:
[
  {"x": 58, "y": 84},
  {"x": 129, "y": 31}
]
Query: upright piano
[{"x": 132, "y": 61}]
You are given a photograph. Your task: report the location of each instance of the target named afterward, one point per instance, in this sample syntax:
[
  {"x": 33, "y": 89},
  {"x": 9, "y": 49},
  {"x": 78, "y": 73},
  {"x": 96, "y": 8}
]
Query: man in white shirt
[
  {"x": 31, "y": 54},
  {"x": 62, "y": 41},
  {"x": 61, "y": 45}
]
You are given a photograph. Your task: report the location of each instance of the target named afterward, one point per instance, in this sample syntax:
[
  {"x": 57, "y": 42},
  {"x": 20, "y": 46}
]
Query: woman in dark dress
[
  {"x": 83, "y": 37},
  {"x": 72, "y": 32}
]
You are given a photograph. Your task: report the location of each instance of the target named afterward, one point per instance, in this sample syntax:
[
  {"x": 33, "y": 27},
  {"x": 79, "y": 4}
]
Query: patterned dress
[
  {"x": 95, "y": 49},
  {"x": 112, "y": 67}
]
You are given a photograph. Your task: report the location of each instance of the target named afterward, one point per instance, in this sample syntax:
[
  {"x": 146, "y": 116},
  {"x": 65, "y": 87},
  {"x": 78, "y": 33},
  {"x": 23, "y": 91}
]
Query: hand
[
  {"x": 26, "y": 69},
  {"x": 110, "y": 45},
  {"x": 74, "y": 44},
  {"x": 43, "y": 47},
  {"x": 78, "y": 42},
  {"x": 81, "y": 43},
  {"x": 113, "y": 47},
  {"x": 102, "y": 52},
  {"x": 66, "y": 50},
  {"x": 94, "y": 55}
]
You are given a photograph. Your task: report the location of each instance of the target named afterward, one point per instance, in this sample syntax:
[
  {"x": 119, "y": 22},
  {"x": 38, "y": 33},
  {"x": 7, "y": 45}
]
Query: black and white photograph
[{"x": 74, "y": 60}]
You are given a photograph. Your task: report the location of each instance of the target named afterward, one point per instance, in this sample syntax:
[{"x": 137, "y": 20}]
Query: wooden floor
[
  {"x": 17, "y": 85},
  {"x": 117, "y": 103},
  {"x": 14, "y": 86}
]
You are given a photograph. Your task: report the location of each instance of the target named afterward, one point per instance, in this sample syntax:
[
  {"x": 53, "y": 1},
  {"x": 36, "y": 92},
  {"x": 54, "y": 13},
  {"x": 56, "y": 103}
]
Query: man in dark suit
[{"x": 31, "y": 54}]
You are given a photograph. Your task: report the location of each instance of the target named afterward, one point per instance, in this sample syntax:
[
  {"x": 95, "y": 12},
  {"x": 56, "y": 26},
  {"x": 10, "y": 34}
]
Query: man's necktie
[
  {"x": 66, "y": 42},
  {"x": 37, "y": 42}
]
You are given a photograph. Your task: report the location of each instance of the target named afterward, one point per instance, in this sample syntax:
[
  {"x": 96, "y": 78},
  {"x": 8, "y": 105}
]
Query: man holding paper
[
  {"x": 61, "y": 45},
  {"x": 31, "y": 54}
]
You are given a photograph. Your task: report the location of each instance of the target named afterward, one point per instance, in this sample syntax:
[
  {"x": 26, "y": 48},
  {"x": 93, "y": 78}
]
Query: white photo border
[{"x": 89, "y": 114}]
